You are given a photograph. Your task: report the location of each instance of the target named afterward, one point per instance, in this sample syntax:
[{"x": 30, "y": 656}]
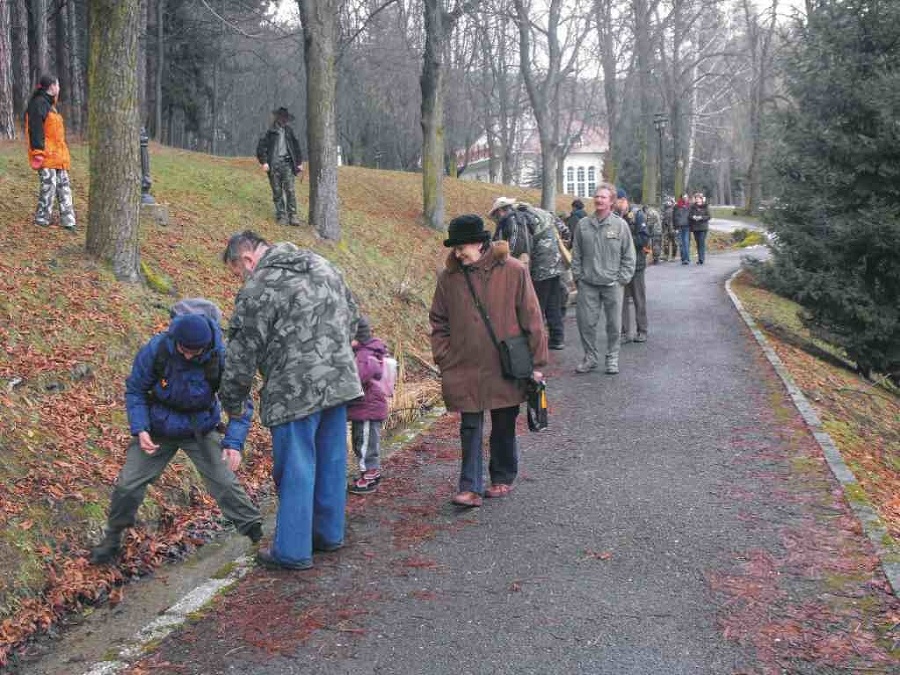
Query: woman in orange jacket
[{"x": 49, "y": 154}]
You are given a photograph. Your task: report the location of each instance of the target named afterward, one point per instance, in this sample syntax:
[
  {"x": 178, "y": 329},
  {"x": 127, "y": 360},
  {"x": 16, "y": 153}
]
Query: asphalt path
[{"x": 646, "y": 488}]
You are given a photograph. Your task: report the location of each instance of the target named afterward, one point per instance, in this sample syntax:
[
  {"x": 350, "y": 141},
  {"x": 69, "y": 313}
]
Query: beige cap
[{"x": 500, "y": 203}]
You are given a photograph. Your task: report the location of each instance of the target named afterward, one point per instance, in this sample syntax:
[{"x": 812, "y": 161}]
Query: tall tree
[
  {"x": 438, "y": 25},
  {"x": 760, "y": 29},
  {"x": 7, "y": 120},
  {"x": 21, "y": 57},
  {"x": 544, "y": 74},
  {"x": 38, "y": 38},
  {"x": 319, "y": 18},
  {"x": 113, "y": 133},
  {"x": 76, "y": 68}
]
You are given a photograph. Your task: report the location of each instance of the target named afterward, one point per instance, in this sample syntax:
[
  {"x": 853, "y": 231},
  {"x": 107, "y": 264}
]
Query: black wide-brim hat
[
  {"x": 467, "y": 229},
  {"x": 283, "y": 112}
]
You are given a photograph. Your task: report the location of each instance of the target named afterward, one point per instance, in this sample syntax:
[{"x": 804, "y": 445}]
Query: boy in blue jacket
[{"x": 172, "y": 402}]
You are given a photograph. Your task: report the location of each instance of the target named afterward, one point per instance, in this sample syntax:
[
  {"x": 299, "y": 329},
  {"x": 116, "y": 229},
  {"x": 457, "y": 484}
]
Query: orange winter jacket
[{"x": 46, "y": 132}]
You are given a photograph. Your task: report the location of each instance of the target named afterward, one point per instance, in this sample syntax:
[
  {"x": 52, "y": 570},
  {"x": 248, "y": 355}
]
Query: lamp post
[{"x": 660, "y": 121}]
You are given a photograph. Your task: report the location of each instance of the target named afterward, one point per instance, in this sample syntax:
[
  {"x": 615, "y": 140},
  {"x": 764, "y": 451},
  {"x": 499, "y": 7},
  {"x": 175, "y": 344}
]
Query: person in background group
[
  {"x": 48, "y": 154},
  {"x": 279, "y": 153},
  {"x": 670, "y": 235},
  {"x": 512, "y": 227},
  {"x": 171, "y": 401},
  {"x": 574, "y": 218},
  {"x": 636, "y": 290},
  {"x": 682, "y": 223},
  {"x": 367, "y": 415},
  {"x": 469, "y": 362},
  {"x": 545, "y": 269},
  {"x": 293, "y": 322},
  {"x": 699, "y": 219},
  {"x": 603, "y": 260}
]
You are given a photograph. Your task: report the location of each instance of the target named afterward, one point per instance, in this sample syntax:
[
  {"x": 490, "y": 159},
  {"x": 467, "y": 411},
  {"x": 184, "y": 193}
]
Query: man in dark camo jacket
[{"x": 293, "y": 321}]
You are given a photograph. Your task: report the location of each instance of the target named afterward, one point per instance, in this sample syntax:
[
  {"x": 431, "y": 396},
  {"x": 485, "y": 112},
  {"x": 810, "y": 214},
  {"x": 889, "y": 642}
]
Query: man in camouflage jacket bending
[{"x": 293, "y": 321}]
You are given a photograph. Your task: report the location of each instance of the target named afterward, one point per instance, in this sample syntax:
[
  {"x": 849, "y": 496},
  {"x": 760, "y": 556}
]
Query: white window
[
  {"x": 581, "y": 192},
  {"x": 570, "y": 181},
  {"x": 592, "y": 180}
]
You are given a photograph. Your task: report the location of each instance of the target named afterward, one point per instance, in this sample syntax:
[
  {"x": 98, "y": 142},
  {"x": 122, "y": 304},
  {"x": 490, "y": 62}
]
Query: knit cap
[
  {"x": 191, "y": 331},
  {"x": 363, "y": 330}
]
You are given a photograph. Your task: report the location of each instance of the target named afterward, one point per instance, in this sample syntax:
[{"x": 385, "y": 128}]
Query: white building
[{"x": 582, "y": 167}]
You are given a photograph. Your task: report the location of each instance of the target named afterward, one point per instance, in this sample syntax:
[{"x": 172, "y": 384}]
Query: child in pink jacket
[{"x": 367, "y": 414}]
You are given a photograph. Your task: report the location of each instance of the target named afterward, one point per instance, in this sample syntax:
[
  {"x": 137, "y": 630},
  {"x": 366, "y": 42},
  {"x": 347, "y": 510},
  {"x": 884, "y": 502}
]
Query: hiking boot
[
  {"x": 624, "y": 339},
  {"x": 264, "y": 558},
  {"x": 107, "y": 550},
  {"x": 612, "y": 368},
  {"x": 557, "y": 346},
  {"x": 367, "y": 482},
  {"x": 281, "y": 220},
  {"x": 254, "y": 534},
  {"x": 294, "y": 220},
  {"x": 640, "y": 337},
  {"x": 585, "y": 367}
]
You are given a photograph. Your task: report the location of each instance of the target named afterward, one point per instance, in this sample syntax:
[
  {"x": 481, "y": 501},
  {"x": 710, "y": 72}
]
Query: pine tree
[{"x": 837, "y": 219}]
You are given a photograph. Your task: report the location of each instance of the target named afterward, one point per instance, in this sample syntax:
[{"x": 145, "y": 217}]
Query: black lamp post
[
  {"x": 660, "y": 121},
  {"x": 146, "y": 181}
]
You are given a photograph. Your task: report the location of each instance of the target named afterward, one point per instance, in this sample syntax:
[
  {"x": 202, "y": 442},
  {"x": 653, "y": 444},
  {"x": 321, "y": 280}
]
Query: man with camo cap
[{"x": 293, "y": 321}]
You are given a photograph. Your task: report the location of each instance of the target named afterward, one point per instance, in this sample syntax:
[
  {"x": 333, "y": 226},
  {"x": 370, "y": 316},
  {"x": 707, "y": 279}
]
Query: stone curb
[
  {"x": 868, "y": 518},
  {"x": 173, "y": 618}
]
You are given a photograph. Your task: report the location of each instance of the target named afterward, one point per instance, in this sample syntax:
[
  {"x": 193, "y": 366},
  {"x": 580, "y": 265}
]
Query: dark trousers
[
  {"x": 141, "y": 470},
  {"x": 504, "y": 462},
  {"x": 700, "y": 238},
  {"x": 636, "y": 292},
  {"x": 548, "y": 293}
]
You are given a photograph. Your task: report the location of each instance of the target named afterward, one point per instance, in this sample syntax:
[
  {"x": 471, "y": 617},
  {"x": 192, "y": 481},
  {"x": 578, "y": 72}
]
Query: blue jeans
[
  {"x": 700, "y": 238},
  {"x": 684, "y": 239},
  {"x": 310, "y": 471},
  {"x": 504, "y": 464}
]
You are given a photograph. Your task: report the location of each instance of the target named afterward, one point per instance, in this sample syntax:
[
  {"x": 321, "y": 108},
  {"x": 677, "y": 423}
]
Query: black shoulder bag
[{"x": 515, "y": 354}]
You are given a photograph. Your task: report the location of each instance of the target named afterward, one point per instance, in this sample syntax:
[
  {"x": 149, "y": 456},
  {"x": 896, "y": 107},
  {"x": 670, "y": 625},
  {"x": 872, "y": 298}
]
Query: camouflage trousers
[
  {"x": 656, "y": 244},
  {"x": 54, "y": 184},
  {"x": 284, "y": 195},
  {"x": 670, "y": 244}
]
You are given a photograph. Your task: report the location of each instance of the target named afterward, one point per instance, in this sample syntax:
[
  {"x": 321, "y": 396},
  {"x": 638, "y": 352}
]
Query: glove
[{"x": 37, "y": 161}]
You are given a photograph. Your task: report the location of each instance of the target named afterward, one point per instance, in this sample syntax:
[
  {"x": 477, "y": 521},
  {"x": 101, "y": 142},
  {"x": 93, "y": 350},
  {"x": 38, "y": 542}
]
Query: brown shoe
[
  {"x": 498, "y": 490},
  {"x": 467, "y": 499}
]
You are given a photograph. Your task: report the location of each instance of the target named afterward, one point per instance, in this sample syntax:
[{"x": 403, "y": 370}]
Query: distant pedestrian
[
  {"x": 682, "y": 223},
  {"x": 670, "y": 235},
  {"x": 48, "y": 154},
  {"x": 171, "y": 402},
  {"x": 293, "y": 322},
  {"x": 699, "y": 218},
  {"x": 603, "y": 260},
  {"x": 368, "y": 414},
  {"x": 636, "y": 289},
  {"x": 469, "y": 362},
  {"x": 278, "y": 150}
]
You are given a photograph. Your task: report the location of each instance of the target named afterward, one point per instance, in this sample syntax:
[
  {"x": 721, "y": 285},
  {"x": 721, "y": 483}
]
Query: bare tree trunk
[
  {"x": 432, "y": 84},
  {"x": 608, "y": 57},
  {"x": 142, "y": 63},
  {"x": 319, "y": 19},
  {"x": 160, "y": 73},
  {"x": 63, "y": 70},
  {"x": 644, "y": 51},
  {"x": 7, "y": 118},
  {"x": 113, "y": 133},
  {"x": 760, "y": 38},
  {"x": 20, "y": 58},
  {"x": 37, "y": 15},
  {"x": 76, "y": 70}
]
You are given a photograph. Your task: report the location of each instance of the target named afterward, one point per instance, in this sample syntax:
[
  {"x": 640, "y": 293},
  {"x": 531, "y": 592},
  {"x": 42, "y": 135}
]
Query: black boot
[
  {"x": 107, "y": 550},
  {"x": 254, "y": 534}
]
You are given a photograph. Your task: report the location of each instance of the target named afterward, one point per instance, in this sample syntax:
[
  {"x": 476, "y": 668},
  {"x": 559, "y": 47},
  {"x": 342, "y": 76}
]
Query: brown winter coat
[{"x": 460, "y": 343}]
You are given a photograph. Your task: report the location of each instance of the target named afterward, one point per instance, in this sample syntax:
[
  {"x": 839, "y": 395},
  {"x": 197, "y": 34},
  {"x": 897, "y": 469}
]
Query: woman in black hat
[
  {"x": 279, "y": 153},
  {"x": 469, "y": 362}
]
